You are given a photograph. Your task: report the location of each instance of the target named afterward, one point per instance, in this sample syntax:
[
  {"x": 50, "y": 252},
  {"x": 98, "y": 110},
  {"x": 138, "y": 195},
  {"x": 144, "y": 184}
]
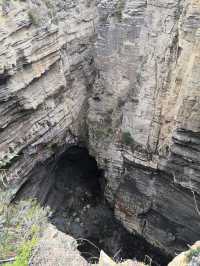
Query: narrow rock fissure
[{"x": 73, "y": 189}]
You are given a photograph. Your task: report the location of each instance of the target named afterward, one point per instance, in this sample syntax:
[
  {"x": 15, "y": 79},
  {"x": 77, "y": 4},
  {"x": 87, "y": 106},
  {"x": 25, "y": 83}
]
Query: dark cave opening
[{"x": 73, "y": 189}]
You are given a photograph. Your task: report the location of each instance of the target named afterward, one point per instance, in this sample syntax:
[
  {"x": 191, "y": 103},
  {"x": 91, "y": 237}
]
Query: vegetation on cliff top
[{"x": 21, "y": 225}]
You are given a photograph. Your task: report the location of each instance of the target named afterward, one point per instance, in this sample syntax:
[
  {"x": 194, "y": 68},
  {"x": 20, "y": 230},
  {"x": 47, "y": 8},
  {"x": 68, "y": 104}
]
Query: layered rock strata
[
  {"x": 133, "y": 96},
  {"x": 46, "y": 71},
  {"x": 144, "y": 117}
]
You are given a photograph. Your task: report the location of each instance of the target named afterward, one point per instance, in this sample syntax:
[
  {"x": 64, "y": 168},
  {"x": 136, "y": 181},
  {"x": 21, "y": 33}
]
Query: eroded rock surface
[
  {"x": 124, "y": 77},
  {"x": 144, "y": 114},
  {"x": 188, "y": 258},
  {"x": 73, "y": 191},
  {"x": 56, "y": 248},
  {"x": 46, "y": 70}
]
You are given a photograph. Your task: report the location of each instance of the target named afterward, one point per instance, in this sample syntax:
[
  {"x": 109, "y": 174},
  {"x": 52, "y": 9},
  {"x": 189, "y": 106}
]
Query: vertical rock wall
[
  {"x": 144, "y": 116},
  {"x": 137, "y": 88},
  {"x": 46, "y": 71}
]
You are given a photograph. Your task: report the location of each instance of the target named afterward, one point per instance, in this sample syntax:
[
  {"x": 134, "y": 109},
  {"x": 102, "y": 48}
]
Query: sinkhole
[{"x": 73, "y": 187}]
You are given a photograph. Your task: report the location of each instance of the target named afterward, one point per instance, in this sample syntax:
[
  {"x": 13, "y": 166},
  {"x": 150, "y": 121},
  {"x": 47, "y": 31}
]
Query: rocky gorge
[{"x": 118, "y": 80}]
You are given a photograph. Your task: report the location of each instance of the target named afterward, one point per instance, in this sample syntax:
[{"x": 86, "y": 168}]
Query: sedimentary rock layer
[
  {"x": 144, "y": 116},
  {"x": 46, "y": 71},
  {"x": 124, "y": 77}
]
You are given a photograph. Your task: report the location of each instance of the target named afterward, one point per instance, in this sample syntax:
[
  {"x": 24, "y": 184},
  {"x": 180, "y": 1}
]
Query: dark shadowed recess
[
  {"x": 73, "y": 188},
  {"x": 4, "y": 78}
]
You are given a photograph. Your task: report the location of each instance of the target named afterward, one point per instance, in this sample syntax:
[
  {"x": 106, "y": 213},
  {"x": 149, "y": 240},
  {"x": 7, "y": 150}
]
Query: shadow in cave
[{"x": 74, "y": 192}]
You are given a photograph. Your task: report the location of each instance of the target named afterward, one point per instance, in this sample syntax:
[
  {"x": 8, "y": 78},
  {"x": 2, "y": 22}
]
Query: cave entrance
[{"x": 73, "y": 188}]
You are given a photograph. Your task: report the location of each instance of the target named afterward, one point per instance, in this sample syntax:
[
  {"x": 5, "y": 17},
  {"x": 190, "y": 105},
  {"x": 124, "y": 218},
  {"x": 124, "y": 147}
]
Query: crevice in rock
[
  {"x": 73, "y": 187},
  {"x": 4, "y": 77}
]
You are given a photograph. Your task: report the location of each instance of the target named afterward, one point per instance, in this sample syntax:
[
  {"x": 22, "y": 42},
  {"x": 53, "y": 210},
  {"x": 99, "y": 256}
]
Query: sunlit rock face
[
  {"x": 46, "y": 71},
  {"x": 123, "y": 78},
  {"x": 144, "y": 116}
]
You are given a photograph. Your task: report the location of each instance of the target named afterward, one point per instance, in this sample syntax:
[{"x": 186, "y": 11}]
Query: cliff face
[
  {"x": 46, "y": 72},
  {"x": 124, "y": 76},
  {"x": 144, "y": 116}
]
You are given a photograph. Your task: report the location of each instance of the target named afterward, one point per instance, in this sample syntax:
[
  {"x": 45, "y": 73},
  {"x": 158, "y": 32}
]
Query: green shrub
[
  {"x": 7, "y": 159},
  {"x": 25, "y": 252},
  {"x": 193, "y": 253},
  {"x": 20, "y": 226},
  {"x": 103, "y": 132},
  {"x": 34, "y": 17},
  {"x": 119, "y": 9},
  {"x": 127, "y": 139}
]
